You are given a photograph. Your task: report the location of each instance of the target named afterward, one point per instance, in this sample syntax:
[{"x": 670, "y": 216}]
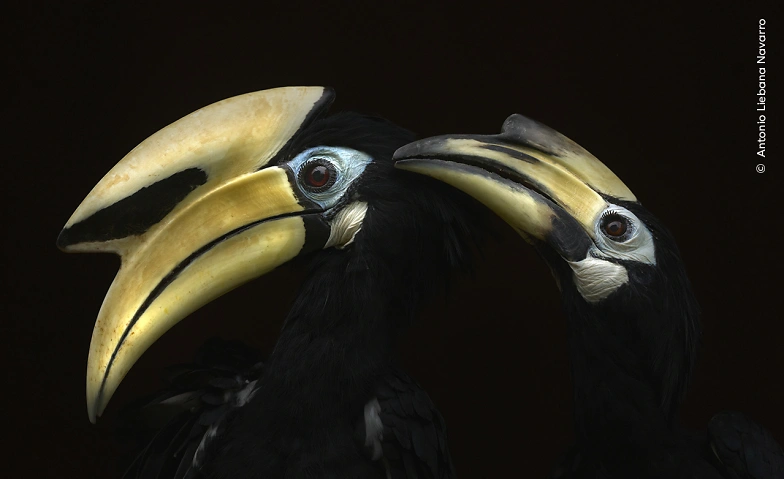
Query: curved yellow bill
[
  {"x": 194, "y": 211},
  {"x": 530, "y": 175}
]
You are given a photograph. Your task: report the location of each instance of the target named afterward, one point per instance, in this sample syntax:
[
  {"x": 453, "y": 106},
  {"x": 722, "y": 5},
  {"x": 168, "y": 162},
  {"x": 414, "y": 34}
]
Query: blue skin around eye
[{"x": 349, "y": 165}]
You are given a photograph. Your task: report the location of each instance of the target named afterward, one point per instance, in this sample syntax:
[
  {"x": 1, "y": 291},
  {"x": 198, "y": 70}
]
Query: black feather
[
  {"x": 744, "y": 449},
  {"x": 336, "y": 351},
  {"x": 632, "y": 357}
]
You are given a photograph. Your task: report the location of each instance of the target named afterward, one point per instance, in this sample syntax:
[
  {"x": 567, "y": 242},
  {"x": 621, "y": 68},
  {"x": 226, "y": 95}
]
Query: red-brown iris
[
  {"x": 615, "y": 226},
  {"x": 317, "y": 175}
]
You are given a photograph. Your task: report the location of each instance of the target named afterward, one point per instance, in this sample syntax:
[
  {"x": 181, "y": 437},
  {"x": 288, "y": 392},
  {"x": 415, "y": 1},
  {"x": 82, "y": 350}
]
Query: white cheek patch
[
  {"x": 346, "y": 225},
  {"x": 596, "y": 278}
]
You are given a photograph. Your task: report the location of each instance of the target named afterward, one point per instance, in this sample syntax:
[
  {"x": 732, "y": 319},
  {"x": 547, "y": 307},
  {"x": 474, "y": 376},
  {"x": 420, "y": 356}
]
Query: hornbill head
[
  {"x": 618, "y": 268},
  {"x": 225, "y": 195}
]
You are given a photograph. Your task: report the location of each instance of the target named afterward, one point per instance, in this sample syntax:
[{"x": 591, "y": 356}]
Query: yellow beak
[
  {"x": 530, "y": 175},
  {"x": 194, "y": 211}
]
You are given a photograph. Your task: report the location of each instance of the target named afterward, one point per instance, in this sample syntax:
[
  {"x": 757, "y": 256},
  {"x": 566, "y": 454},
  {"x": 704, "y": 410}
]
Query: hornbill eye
[
  {"x": 615, "y": 226},
  {"x": 317, "y": 175}
]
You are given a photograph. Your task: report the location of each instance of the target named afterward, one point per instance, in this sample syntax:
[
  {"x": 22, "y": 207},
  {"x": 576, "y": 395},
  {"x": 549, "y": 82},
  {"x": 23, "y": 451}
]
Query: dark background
[{"x": 664, "y": 95}]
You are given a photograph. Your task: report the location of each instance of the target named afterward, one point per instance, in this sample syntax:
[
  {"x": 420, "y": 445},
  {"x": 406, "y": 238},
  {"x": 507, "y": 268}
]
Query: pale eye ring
[
  {"x": 615, "y": 226},
  {"x": 317, "y": 175}
]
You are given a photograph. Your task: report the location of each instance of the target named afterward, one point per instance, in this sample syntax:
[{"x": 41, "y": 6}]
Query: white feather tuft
[
  {"x": 346, "y": 225},
  {"x": 596, "y": 278}
]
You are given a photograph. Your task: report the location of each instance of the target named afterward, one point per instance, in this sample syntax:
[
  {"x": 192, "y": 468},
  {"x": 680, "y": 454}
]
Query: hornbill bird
[
  {"x": 225, "y": 195},
  {"x": 632, "y": 316}
]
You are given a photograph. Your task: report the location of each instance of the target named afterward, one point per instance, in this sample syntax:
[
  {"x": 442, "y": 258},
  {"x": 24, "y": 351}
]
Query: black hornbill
[
  {"x": 225, "y": 195},
  {"x": 632, "y": 317}
]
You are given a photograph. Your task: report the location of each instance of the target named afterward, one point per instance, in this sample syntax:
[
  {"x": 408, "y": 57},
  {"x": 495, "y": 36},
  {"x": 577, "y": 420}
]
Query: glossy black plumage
[
  {"x": 169, "y": 426},
  {"x": 743, "y": 448},
  {"x": 632, "y": 357},
  {"x": 336, "y": 351}
]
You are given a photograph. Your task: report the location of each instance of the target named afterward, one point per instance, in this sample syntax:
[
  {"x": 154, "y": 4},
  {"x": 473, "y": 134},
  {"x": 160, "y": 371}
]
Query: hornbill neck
[
  {"x": 342, "y": 325},
  {"x": 632, "y": 354},
  {"x": 341, "y": 332},
  {"x": 615, "y": 397},
  {"x": 618, "y": 418}
]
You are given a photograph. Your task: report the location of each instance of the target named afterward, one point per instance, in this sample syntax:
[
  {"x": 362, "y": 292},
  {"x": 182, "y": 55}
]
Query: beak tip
[
  {"x": 91, "y": 414},
  {"x": 419, "y": 148},
  {"x": 94, "y": 409},
  {"x": 404, "y": 164},
  {"x": 63, "y": 240},
  {"x": 406, "y": 151}
]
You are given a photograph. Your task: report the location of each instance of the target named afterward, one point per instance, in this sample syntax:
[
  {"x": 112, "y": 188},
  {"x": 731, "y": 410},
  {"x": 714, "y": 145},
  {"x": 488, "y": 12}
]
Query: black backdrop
[{"x": 665, "y": 96}]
